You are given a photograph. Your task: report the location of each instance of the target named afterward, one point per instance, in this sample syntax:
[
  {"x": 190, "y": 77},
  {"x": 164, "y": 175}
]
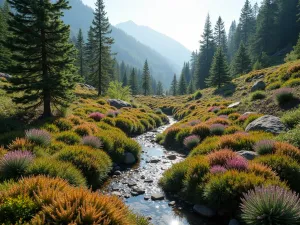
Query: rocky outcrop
[
  {"x": 204, "y": 211},
  {"x": 267, "y": 123},
  {"x": 249, "y": 155},
  {"x": 234, "y": 105},
  {"x": 259, "y": 85},
  {"x": 118, "y": 103}
]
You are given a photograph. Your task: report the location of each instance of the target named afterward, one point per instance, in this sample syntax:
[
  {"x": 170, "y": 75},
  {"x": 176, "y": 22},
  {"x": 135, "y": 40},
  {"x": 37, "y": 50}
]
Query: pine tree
[
  {"x": 81, "y": 53},
  {"x": 44, "y": 70},
  {"x": 146, "y": 79},
  {"x": 173, "y": 89},
  {"x": 220, "y": 35},
  {"x": 231, "y": 40},
  {"x": 133, "y": 82},
  {"x": 90, "y": 57},
  {"x": 207, "y": 48},
  {"x": 153, "y": 88},
  {"x": 122, "y": 70},
  {"x": 191, "y": 88},
  {"x": 182, "y": 87},
  {"x": 125, "y": 80},
  {"x": 219, "y": 73},
  {"x": 266, "y": 37},
  {"x": 247, "y": 22},
  {"x": 255, "y": 10},
  {"x": 101, "y": 30},
  {"x": 295, "y": 54},
  {"x": 193, "y": 63},
  {"x": 160, "y": 89},
  {"x": 241, "y": 63},
  {"x": 5, "y": 54}
]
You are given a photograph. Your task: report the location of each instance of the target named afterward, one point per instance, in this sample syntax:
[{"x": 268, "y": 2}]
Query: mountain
[
  {"x": 128, "y": 49},
  {"x": 166, "y": 46}
]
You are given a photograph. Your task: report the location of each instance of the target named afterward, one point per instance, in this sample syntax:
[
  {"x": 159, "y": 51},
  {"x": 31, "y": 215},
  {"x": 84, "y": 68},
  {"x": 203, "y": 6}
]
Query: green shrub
[
  {"x": 292, "y": 83},
  {"x": 53, "y": 168},
  {"x": 63, "y": 124},
  {"x": 201, "y": 130},
  {"x": 283, "y": 95},
  {"x": 197, "y": 95},
  {"x": 125, "y": 125},
  {"x": 184, "y": 133},
  {"x": 226, "y": 111},
  {"x": 274, "y": 86},
  {"x": 292, "y": 137},
  {"x": 94, "y": 164},
  {"x": 15, "y": 210},
  {"x": 171, "y": 135},
  {"x": 257, "y": 95},
  {"x": 7, "y": 138},
  {"x": 225, "y": 190},
  {"x": 286, "y": 168},
  {"x": 69, "y": 137},
  {"x": 51, "y": 128},
  {"x": 292, "y": 118},
  {"x": 271, "y": 205},
  {"x": 109, "y": 121}
]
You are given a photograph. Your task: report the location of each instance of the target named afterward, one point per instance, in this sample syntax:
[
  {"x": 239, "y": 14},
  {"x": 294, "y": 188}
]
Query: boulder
[
  {"x": 267, "y": 123},
  {"x": 157, "y": 196},
  {"x": 234, "y": 105},
  {"x": 248, "y": 113},
  {"x": 171, "y": 157},
  {"x": 259, "y": 85},
  {"x": 129, "y": 158},
  {"x": 118, "y": 103},
  {"x": 249, "y": 155},
  {"x": 204, "y": 211}
]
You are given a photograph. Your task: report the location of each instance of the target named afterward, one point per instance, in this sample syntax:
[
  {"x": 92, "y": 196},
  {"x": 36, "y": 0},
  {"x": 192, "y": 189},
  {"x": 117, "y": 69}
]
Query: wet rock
[
  {"x": 148, "y": 181},
  {"x": 154, "y": 160},
  {"x": 259, "y": 85},
  {"x": 117, "y": 193},
  {"x": 171, "y": 157},
  {"x": 131, "y": 183},
  {"x": 249, "y": 155},
  {"x": 234, "y": 222},
  {"x": 157, "y": 196},
  {"x": 267, "y": 123},
  {"x": 129, "y": 158},
  {"x": 138, "y": 190},
  {"x": 172, "y": 203},
  {"x": 143, "y": 177},
  {"x": 118, "y": 103},
  {"x": 117, "y": 172},
  {"x": 204, "y": 211},
  {"x": 133, "y": 193},
  {"x": 115, "y": 188},
  {"x": 146, "y": 197},
  {"x": 149, "y": 218},
  {"x": 127, "y": 196},
  {"x": 234, "y": 105}
]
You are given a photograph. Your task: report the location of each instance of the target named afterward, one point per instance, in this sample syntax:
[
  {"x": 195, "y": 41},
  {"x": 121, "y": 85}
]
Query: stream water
[{"x": 137, "y": 185}]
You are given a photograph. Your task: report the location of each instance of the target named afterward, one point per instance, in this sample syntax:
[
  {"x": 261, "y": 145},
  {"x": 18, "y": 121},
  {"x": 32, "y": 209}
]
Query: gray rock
[
  {"x": 249, "y": 155},
  {"x": 234, "y": 222},
  {"x": 133, "y": 193},
  {"x": 234, "y": 105},
  {"x": 259, "y": 85},
  {"x": 7, "y": 76},
  {"x": 118, "y": 103},
  {"x": 148, "y": 181},
  {"x": 157, "y": 196},
  {"x": 115, "y": 188},
  {"x": 129, "y": 158},
  {"x": 146, "y": 197},
  {"x": 204, "y": 211},
  {"x": 267, "y": 123},
  {"x": 138, "y": 190},
  {"x": 171, "y": 157},
  {"x": 172, "y": 203},
  {"x": 248, "y": 113},
  {"x": 154, "y": 160},
  {"x": 131, "y": 184}
]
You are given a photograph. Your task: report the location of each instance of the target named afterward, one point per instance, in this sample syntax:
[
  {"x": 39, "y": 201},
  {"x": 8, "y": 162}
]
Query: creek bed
[{"x": 136, "y": 185}]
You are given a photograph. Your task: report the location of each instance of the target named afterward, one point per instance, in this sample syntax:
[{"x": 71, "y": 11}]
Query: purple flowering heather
[
  {"x": 97, "y": 116},
  {"x": 264, "y": 147},
  {"x": 92, "y": 141},
  {"x": 218, "y": 169},
  {"x": 271, "y": 205},
  {"x": 39, "y": 137},
  {"x": 13, "y": 164},
  {"x": 191, "y": 141},
  {"x": 238, "y": 163},
  {"x": 217, "y": 129}
]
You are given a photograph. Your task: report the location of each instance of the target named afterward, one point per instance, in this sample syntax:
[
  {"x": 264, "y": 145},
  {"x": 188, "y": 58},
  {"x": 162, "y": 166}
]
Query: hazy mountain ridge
[{"x": 166, "y": 46}]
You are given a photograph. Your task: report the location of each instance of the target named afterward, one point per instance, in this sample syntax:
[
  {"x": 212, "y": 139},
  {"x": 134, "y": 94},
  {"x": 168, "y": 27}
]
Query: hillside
[{"x": 166, "y": 46}]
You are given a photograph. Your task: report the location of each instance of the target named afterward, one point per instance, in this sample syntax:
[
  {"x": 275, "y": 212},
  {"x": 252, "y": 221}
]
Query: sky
[{"x": 182, "y": 20}]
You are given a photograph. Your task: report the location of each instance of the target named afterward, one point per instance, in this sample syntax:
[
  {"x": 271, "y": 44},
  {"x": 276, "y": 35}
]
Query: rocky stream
[{"x": 139, "y": 188}]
